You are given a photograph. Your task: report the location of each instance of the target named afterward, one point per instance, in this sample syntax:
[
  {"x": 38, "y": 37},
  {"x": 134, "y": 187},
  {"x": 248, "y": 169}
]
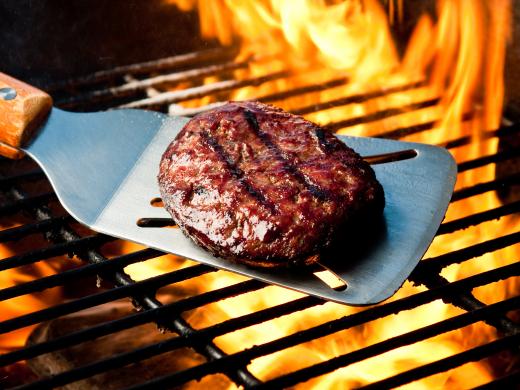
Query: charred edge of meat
[{"x": 292, "y": 202}]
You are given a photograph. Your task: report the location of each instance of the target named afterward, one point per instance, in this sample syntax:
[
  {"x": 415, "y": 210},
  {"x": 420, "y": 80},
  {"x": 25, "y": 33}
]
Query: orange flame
[
  {"x": 24, "y": 304},
  {"x": 459, "y": 56}
]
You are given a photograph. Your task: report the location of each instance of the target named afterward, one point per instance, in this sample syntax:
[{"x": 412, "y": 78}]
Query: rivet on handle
[{"x": 7, "y": 93}]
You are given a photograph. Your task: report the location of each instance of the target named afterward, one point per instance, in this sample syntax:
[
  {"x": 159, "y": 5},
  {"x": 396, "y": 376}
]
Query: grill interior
[{"x": 36, "y": 230}]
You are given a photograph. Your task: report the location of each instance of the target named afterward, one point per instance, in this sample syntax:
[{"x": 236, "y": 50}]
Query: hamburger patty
[{"x": 254, "y": 184}]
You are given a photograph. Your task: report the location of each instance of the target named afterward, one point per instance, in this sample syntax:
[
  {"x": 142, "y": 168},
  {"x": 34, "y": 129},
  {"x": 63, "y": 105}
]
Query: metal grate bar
[
  {"x": 138, "y": 86},
  {"x": 506, "y": 382},
  {"x": 203, "y": 90},
  {"x": 494, "y": 158},
  {"x": 21, "y": 204},
  {"x": 144, "y": 352},
  {"x": 359, "y": 98},
  {"x": 178, "y": 324},
  {"x": 330, "y": 365},
  {"x": 468, "y": 302},
  {"x": 31, "y": 175},
  {"x": 140, "y": 299},
  {"x": 76, "y": 273},
  {"x": 466, "y": 140},
  {"x": 287, "y": 93},
  {"x": 188, "y": 59},
  {"x": 223, "y": 328},
  {"x": 144, "y": 286},
  {"x": 155, "y": 315},
  {"x": 295, "y": 92},
  {"x": 178, "y": 342},
  {"x": 409, "y": 130},
  {"x": 92, "y": 241},
  {"x": 481, "y": 188},
  {"x": 471, "y": 355},
  {"x": 478, "y": 218},
  {"x": 428, "y": 274},
  {"x": 335, "y": 126},
  {"x": 340, "y": 324},
  {"x": 201, "y": 340},
  {"x": 19, "y": 232},
  {"x": 408, "y": 338},
  {"x": 291, "y": 92},
  {"x": 406, "y": 131},
  {"x": 434, "y": 265}
]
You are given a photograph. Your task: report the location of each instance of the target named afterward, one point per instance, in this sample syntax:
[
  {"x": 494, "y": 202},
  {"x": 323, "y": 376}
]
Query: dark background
[
  {"x": 44, "y": 40},
  {"x": 58, "y": 39}
]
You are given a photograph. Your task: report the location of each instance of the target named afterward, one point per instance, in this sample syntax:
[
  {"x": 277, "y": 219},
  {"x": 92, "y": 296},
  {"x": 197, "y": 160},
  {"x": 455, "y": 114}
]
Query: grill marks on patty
[
  {"x": 279, "y": 154},
  {"x": 263, "y": 156},
  {"x": 235, "y": 171},
  {"x": 255, "y": 184}
]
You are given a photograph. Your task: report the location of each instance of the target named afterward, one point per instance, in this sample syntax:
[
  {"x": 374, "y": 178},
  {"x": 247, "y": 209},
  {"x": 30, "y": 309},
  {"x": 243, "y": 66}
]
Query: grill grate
[{"x": 147, "y": 86}]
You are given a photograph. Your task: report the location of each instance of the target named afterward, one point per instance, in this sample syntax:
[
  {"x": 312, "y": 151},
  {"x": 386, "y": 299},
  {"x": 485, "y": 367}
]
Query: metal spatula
[{"x": 103, "y": 167}]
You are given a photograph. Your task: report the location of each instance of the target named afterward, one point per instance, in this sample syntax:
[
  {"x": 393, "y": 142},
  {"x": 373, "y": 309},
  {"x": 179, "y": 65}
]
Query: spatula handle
[{"x": 23, "y": 108}]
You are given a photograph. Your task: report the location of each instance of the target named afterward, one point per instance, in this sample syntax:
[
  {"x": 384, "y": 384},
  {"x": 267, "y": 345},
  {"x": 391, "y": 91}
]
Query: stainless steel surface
[
  {"x": 7, "y": 93},
  {"x": 103, "y": 167}
]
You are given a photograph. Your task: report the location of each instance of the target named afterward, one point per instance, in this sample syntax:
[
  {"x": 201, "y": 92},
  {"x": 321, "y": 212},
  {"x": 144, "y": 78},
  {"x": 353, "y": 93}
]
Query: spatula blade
[
  {"x": 87, "y": 156},
  {"x": 105, "y": 176}
]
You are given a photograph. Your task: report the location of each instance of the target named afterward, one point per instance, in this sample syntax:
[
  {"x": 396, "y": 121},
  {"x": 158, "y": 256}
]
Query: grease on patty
[{"x": 254, "y": 184}]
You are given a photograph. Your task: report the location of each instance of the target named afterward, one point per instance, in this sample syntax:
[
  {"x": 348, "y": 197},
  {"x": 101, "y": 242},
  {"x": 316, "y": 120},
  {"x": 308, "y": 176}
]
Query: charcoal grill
[{"x": 35, "y": 213}]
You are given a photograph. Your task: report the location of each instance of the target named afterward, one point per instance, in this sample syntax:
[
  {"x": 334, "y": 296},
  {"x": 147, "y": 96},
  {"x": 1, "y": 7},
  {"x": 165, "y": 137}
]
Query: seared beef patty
[{"x": 252, "y": 183}]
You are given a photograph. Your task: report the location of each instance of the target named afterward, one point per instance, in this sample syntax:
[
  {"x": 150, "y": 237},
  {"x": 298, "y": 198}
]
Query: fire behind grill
[{"x": 33, "y": 213}]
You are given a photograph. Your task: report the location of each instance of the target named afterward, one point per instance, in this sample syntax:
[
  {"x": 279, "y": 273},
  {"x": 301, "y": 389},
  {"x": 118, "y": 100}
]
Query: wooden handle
[{"x": 22, "y": 110}]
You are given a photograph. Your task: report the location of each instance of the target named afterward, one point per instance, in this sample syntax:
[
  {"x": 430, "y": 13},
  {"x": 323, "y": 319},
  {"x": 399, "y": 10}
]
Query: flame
[
  {"x": 459, "y": 58},
  {"x": 25, "y": 304},
  {"x": 455, "y": 60}
]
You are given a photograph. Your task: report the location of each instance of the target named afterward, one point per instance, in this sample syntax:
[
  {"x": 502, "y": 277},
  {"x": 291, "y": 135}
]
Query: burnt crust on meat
[{"x": 252, "y": 183}]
